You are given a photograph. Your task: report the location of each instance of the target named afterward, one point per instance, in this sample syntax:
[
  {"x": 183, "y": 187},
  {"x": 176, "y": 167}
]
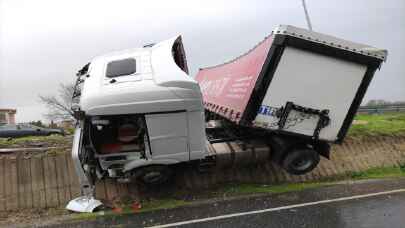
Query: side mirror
[{"x": 38, "y": 129}]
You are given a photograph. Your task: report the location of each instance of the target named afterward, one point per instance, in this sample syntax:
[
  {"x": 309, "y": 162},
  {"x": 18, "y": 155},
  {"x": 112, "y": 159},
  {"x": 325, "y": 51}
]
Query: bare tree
[{"x": 59, "y": 106}]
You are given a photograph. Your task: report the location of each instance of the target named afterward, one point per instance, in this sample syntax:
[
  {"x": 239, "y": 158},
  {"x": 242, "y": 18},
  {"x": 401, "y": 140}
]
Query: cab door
[{"x": 168, "y": 136}]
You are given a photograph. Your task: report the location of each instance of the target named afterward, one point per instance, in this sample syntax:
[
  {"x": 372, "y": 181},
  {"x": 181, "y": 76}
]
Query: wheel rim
[
  {"x": 152, "y": 177},
  {"x": 302, "y": 164}
]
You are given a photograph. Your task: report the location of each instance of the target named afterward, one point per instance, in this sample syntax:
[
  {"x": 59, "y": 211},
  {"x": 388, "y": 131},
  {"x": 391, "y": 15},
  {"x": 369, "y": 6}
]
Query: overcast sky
[{"x": 44, "y": 42}]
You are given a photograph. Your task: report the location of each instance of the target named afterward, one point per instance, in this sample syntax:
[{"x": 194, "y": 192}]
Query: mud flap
[
  {"x": 323, "y": 149},
  {"x": 86, "y": 202}
]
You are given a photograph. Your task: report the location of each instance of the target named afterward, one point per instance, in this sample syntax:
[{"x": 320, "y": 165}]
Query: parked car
[{"x": 20, "y": 130}]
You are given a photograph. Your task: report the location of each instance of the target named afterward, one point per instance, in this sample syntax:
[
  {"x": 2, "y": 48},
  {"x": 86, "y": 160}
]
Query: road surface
[
  {"x": 366, "y": 204},
  {"x": 387, "y": 210}
]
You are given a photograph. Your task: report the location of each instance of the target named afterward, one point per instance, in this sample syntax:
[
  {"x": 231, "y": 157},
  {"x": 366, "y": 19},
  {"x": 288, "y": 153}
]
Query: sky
[{"x": 44, "y": 42}]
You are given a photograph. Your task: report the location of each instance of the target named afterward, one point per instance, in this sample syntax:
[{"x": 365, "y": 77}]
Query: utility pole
[{"x": 307, "y": 15}]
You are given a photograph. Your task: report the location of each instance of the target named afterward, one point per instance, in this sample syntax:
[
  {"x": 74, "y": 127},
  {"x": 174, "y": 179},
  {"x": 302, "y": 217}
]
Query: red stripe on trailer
[{"x": 227, "y": 88}]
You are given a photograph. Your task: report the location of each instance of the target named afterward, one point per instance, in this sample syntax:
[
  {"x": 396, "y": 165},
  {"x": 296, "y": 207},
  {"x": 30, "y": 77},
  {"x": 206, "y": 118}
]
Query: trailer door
[{"x": 314, "y": 81}]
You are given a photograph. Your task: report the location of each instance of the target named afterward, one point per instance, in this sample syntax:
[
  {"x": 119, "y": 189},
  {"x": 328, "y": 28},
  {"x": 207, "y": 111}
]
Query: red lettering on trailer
[{"x": 226, "y": 88}]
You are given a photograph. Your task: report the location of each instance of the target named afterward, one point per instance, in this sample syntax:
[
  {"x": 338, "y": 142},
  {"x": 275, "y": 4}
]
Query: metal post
[{"x": 307, "y": 15}]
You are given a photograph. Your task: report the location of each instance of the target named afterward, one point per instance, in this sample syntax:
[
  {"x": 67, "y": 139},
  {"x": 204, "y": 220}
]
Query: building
[{"x": 7, "y": 116}]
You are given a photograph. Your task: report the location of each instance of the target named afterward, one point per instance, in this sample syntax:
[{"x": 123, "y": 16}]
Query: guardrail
[{"x": 381, "y": 109}]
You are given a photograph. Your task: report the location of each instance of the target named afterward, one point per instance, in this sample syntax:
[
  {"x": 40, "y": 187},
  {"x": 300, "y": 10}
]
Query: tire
[
  {"x": 300, "y": 161},
  {"x": 153, "y": 175}
]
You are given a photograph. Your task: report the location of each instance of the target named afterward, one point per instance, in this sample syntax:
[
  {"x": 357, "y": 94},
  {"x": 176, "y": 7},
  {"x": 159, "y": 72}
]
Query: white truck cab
[{"x": 138, "y": 110}]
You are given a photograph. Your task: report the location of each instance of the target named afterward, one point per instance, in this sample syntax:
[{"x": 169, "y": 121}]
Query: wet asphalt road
[
  {"x": 379, "y": 211},
  {"x": 386, "y": 210}
]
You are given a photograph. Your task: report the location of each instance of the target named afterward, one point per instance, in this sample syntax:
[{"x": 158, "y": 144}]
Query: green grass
[
  {"x": 52, "y": 139},
  {"x": 246, "y": 189},
  {"x": 373, "y": 173},
  {"x": 379, "y": 173},
  {"x": 384, "y": 124},
  {"x": 156, "y": 204}
]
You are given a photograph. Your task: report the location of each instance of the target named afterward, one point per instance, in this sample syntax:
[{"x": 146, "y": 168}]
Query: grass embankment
[
  {"x": 376, "y": 125},
  {"x": 52, "y": 140},
  {"x": 379, "y": 173}
]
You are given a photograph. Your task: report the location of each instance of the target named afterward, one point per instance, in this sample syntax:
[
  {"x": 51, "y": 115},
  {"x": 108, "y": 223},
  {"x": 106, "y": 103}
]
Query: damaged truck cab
[{"x": 138, "y": 111}]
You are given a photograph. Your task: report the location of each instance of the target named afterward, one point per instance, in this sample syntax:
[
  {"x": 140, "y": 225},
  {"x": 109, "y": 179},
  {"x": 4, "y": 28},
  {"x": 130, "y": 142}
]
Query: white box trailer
[
  {"x": 139, "y": 113},
  {"x": 296, "y": 82}
]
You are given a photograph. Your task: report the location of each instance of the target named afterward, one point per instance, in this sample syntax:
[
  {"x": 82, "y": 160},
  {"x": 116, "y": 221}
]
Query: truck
[{"x": 139, "y": 113}]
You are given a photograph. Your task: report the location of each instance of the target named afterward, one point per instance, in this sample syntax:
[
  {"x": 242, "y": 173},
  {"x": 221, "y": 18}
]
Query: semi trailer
[
  {"x": 299, "y": 88},
  {"x": 139, "y": 113}
]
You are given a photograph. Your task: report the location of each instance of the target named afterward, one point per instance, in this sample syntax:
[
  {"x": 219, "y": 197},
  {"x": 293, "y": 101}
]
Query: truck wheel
[
  {"x": 153, "y": 175},
  {"x": 301, "y": 161}
]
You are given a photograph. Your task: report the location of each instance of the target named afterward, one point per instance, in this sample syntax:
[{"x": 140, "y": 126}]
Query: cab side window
[{"x": 121, "y": 67}]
